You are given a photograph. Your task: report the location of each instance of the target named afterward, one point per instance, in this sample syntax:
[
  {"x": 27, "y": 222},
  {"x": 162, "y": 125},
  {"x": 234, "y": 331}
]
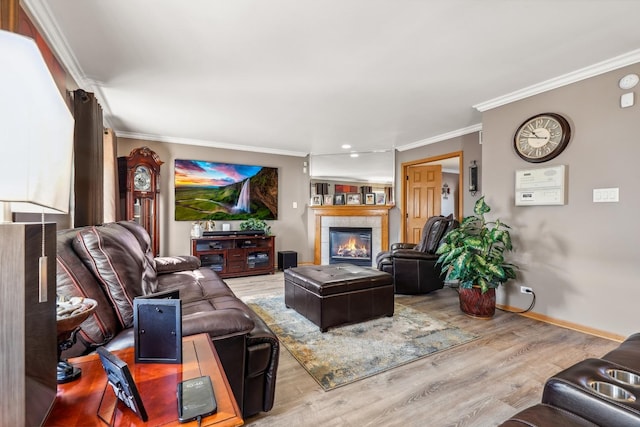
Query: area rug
[{"x": 350, "y": 353}]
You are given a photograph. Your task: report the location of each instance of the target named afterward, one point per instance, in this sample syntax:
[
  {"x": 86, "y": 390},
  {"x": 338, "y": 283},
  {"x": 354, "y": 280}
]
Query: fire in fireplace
[{"x": 350, "y": 244}]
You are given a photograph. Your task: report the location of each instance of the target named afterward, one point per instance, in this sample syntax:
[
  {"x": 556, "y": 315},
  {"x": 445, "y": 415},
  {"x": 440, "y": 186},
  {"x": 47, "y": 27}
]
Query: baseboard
[{"x": 565, "y": 324}]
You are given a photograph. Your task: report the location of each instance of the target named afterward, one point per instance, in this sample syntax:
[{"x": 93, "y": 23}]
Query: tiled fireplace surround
[{"x": 376, "y": 217}]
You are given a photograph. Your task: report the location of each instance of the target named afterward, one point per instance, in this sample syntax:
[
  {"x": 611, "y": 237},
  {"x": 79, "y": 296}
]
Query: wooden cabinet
[{"x": 236, "y": 255}]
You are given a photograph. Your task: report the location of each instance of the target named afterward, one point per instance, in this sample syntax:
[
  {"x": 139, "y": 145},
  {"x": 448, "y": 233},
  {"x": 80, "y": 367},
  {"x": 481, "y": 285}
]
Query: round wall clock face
[
  {"x": 142, "y": 179},
  {"x": 542, "y": 137}
]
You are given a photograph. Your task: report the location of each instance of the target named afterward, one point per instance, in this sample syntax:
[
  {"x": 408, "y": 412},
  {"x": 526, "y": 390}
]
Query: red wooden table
[{"x": 77, "y": 402}]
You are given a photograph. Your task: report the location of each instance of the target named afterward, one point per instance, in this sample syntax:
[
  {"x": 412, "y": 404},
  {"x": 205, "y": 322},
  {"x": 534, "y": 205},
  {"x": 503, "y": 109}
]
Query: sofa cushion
[
  {"x": 142, "y": 236},
  {"x": 116, "y": 258},
  {"x": 75, "y": 280}
]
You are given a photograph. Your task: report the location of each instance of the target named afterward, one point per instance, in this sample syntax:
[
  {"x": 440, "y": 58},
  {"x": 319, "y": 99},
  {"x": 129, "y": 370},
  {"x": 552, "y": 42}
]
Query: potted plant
[
  {"x": 473, "y": 254},
  {"x": 255, "y": 224}
]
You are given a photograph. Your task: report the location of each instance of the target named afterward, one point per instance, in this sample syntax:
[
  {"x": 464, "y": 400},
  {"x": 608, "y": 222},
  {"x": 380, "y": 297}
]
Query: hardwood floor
[{"x": 480, "y": 384}]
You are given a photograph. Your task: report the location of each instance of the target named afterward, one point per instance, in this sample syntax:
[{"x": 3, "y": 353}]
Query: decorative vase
[
  {"x": 196, "y": 230},
  {"x": 476, "y": 304}
]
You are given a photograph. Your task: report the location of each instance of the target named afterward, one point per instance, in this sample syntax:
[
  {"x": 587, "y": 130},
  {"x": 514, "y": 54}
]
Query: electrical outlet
[{"x": 526, "y": 290}]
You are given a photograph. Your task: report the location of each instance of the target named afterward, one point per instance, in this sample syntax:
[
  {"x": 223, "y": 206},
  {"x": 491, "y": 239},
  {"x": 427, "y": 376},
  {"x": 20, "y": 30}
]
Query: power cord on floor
[{"x": 533, "y": 302}]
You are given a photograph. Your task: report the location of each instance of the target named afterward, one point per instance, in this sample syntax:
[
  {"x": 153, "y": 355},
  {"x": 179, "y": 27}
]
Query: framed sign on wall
[{"x": 539, "y": 187}]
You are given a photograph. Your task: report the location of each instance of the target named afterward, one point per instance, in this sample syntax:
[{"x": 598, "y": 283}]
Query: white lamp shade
[{"x": 36, "y": 131}]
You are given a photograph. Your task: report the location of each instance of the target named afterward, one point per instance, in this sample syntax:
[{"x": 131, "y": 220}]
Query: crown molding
[
  {"x": 442, "y": 137},
  {"x": 605, "y": 66},
  {"x": 211, "y": 144},
  {"x": 48, "y": 26}
]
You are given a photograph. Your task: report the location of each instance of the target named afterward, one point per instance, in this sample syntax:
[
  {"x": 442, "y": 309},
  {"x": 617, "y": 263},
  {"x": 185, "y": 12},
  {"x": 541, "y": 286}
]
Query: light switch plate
[{"x": 606, "y": 195}]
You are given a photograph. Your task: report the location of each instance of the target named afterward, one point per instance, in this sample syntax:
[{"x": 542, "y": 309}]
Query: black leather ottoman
[
  {"x": 600, "y": 391},
  {"x": 332, "y": 295}
]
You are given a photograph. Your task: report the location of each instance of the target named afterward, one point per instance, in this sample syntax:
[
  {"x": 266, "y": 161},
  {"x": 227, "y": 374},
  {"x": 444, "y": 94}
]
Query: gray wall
[
  {"x": 581, "y": 259},
  {"x": 290, "y": 228},
  {"x": 450, "y": 203}
]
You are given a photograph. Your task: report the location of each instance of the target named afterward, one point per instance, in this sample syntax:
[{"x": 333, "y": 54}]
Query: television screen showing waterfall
[{"x": 224, "y": 191}]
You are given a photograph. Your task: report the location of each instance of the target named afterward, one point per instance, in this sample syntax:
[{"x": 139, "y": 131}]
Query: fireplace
[
  {"x": 326, "y": 217},
  {"x": 351, "y": 245}
]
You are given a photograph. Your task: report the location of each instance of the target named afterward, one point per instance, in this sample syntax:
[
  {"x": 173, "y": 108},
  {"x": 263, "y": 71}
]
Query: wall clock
[{"x": 542, "y": 137}]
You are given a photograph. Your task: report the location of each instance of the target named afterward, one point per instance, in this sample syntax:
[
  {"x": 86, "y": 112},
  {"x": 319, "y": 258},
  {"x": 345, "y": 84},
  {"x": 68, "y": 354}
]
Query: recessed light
[
  {"x": 354, "y": 154},
  {"x": 628, "y": 81},
  {"x": 346, "y": 146}
]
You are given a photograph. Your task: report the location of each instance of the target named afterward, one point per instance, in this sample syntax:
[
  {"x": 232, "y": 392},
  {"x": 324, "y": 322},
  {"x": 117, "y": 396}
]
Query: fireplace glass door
[{"x": 350, "y": 245}]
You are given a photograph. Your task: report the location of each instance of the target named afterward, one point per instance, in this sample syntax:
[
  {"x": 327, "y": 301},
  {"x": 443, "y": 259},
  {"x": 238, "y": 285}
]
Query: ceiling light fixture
[
  {"x": 346, "y": 146},
  {"x": 354, "y": 154}
]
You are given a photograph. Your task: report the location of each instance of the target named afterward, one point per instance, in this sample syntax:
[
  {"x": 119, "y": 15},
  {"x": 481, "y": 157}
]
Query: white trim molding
[
  {"x": 611, "y": 64},
  {"x": 442, "y": 137},
  {"x": 212, "y": 144},
  {"x": 48, "y": 27}
]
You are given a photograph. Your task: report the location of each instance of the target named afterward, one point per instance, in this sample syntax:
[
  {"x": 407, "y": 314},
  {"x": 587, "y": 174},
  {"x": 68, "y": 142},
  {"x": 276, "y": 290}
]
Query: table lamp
[
  {"x": 36, "y": 136},
  {"x": 36, "y": 151}
]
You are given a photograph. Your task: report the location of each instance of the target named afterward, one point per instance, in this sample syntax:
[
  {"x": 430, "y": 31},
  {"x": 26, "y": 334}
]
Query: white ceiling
[{"x": 301, "y": 76}]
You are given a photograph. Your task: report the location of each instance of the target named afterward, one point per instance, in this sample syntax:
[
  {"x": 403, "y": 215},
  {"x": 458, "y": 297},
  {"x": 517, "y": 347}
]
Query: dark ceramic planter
[{"x": 476, "y": 304}]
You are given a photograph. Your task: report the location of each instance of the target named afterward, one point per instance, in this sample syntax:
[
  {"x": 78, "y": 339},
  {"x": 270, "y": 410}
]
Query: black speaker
[{"x": 287, "y": 259}]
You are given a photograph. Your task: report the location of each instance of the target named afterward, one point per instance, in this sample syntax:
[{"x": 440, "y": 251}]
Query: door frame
[{"x": 403, "y": 189}]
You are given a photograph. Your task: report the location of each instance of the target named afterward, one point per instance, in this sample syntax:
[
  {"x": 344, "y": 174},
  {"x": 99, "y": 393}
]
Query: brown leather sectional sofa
[
  {"x": 113, "y": 264},
  {"x": 594, "y": 392}
]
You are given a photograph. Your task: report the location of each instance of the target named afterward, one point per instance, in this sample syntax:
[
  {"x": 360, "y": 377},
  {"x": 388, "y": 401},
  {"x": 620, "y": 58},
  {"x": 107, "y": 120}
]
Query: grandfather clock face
[{"x": 142, "y": 179}]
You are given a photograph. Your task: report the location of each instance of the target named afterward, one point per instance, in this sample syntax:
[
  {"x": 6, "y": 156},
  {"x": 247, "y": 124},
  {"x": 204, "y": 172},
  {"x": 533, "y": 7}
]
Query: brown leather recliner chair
[{"x": 413, "y": 266}]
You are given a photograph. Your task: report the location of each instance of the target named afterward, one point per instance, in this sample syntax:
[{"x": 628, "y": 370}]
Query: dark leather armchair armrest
[
  {"x": 172, "y": 264},
  {"x": 396, "y": 246},
  {"x": 218, "y": 323},
  {"x": 411, "y": 254}
]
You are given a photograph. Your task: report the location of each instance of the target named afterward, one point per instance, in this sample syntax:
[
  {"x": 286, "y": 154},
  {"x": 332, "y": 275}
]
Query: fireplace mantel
[{"x": 381, "y": 211}]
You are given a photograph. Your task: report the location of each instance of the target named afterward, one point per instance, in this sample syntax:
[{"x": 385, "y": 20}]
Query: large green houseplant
[{"x": 474, "y": 255}]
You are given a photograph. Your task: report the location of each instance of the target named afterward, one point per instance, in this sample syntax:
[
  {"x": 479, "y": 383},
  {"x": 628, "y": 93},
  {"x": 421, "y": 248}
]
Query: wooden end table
[{"x": 77, "y": 402}]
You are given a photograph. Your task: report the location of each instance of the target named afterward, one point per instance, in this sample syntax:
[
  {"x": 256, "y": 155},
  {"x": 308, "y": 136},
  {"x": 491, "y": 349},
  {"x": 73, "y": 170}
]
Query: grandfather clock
[{"x": 143, "y": 192}]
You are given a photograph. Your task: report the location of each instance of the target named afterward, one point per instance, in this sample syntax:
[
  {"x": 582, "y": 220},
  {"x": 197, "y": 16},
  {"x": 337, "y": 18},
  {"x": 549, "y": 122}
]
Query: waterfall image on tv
[{"x": 224, "y": 191}]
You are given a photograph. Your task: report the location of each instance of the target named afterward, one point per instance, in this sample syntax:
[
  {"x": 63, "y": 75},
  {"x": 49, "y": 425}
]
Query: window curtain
[
  {"x": 88, "y": 160},
  {"x": 111, "y": 189}
]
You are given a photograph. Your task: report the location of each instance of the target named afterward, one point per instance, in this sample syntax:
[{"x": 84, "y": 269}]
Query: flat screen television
[{"x": 224, "y": 191}]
